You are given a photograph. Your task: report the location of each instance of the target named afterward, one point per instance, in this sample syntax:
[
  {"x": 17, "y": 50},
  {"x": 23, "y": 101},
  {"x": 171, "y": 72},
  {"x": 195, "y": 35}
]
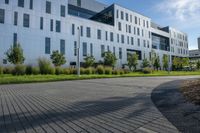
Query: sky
[{"x": 183, "y": 15}]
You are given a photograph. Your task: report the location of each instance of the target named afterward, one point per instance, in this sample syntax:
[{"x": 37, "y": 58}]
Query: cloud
[{"x": 184, "y": 12}]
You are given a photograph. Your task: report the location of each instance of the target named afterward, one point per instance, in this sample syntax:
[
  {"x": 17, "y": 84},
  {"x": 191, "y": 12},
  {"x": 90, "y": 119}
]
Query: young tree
[
  {"x": 132, "y": 61},
  {"x": 15, "y": 54},
  {"x": 58, "y": 59},
  {"x": 185, "y": 62},
  {"x": 109, "y": 59},
  {"x": 89, "y": 61},
  {"x": 145, "y": 63},
  {"x": 152, "y": 58},
  {"x": 157, "y": 63},
  {"x": 165, "y": 61},
  {"x": 198, "y": 64}
]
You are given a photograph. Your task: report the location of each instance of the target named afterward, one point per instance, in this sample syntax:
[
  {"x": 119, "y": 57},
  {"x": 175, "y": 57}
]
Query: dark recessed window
[
  {"x": 62, "y": 46},
  {"x": 2, "y": 16},
  {"x": 99, "y": 34},
  {"x": 21, "y": 3},
  {"x": 47, "y": 45},
  {"x": 120, "y": 53},
  {"x": 88, "y": 31},
  {"x": 4, "y": 61},
  {"x": 31, "y": 4},
  {"x": 26, "y": 20},
  {"x": 91, "y": 49},
  {"x": 62, "y": 11},
  {"x": 75, "y": 48},
  {"x": 14, "y": 38},
  {"x": 79, "y": 3},
  {"x": 15, "y": 18},
  {"x": 51, "y": 25},
  {"x": 6, "y": 1},
  {"x": 73, "y": 29},
  {"x": 84, "y": 49},
  {"x": 48, "y": 7},
  {"x": 111, "y": 37},
  {"x": 41, "y": 23},
  {"x": 102, "y": 50},
  {"x": 58, "y": 26}
]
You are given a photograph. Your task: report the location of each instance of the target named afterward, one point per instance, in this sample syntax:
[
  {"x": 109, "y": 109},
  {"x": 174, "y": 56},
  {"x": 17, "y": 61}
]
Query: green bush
[
  {"x": 122, "y": 72},
  {"x": 126, "y": 71},
  {"x": 29, "y": 70},
  {"x": 100, "y": 69},
  {"x": 59, "y": 70},
  {"x": 35, "y": 70},
  {"x": 67, "y": 71},
  {"x": 45, "y": 66},
  {"x": 1, "y": 70},
  {"x": 19, "y": 70},
  {"x": 8, "y": 70},
  {"x": 73, "y": 70},
  {"x": 89, "y": 70},
  {"x": 116, "y": 72},
  {"x": 108, "y": 70},
  {"x": 82, "y": 70},
  {"x": 147, "y": 70}
]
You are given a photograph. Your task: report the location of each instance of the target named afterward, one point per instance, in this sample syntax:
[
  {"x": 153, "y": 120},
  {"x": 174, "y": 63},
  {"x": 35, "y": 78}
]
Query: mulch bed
[{"x": 191, "y": 90}]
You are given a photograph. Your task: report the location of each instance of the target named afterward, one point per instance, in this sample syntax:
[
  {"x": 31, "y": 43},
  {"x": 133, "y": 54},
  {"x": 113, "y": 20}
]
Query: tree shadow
[{"x": 172, "y": 104}]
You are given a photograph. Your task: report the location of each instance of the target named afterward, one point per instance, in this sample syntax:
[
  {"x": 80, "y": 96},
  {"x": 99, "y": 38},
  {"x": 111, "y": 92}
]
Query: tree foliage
[
  {"x": 132, "y": 61},
  {"x": 198, "y": 64},
  {"x": 15, "y": 54},
  {"x": 179, "y": 63},
  {"x": 89, "y": 61},
  {"x": 58, "y": 59},
  {"x": 157, "y": 63},
  {"x": 165, "y": 62},
  {"x": 153, "y": 58},
  {"x": 109, "y": 59},
  {"x": 145, "y": 63}
]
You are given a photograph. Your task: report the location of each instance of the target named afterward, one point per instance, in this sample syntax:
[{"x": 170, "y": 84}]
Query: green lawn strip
[{"x": 9, "y": 79}]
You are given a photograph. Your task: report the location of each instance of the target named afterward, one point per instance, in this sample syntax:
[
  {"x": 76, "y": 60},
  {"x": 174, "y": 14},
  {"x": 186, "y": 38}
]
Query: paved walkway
[{"x": 101, "y": 105}]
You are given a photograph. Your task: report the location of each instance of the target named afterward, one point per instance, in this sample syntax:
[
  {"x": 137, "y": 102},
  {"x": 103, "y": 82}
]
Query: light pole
[{"x": 78, "y": 52}]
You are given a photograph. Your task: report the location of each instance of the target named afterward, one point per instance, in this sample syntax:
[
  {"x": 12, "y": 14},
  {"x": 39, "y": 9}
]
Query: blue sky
[{"x": 183, "y": 15}]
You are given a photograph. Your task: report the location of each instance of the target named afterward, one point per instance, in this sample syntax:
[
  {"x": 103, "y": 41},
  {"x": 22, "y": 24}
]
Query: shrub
[
  {"x": 19, "y": 70},
  {"x": 67, "y": 71},
  {"x": 126, "y": 71},
  {"x": 73, "y": 71},
  {"x": 121, "y": 71},
  {"x": 147, "y": 70},
  {"x": 59, "y": 70},
  {"x": 82, "y": 70},
  {"x": 1, "y": 70},
  {"x": 108, "y": 70},
  {"x": 45, "y": 66},
  {"x": 35, "y": 70},
  {"x": 89, "y": 70},
  {"x": 100, "y": 69},
  {"x": 116, "y": 72},
  {"x": 8, "y": 70},
  {"x": 29, "y": 70}
]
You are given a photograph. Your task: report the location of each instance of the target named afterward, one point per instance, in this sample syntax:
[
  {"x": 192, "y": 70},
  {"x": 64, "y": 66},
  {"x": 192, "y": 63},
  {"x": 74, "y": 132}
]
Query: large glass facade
[
  {"x": 106, "y": 16},
  {"x": 160, "y": 42}
]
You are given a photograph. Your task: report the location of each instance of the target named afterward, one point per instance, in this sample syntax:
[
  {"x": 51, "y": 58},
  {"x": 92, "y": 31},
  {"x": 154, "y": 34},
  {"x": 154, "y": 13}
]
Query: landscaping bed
[{"x": 191, "y": 90}]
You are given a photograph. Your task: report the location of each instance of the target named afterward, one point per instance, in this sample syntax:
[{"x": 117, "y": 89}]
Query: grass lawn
[{"x": 9, "y": 79}]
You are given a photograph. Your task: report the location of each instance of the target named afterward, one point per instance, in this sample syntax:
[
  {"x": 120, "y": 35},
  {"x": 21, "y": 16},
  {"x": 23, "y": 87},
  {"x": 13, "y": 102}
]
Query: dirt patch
[{"x": 191, "y": 90}]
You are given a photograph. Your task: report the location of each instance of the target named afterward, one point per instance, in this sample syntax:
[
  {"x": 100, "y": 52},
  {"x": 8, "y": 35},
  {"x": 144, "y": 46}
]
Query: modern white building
[
  {"x": 42, "y": 26},
  {"x": 195, "y": 54}
]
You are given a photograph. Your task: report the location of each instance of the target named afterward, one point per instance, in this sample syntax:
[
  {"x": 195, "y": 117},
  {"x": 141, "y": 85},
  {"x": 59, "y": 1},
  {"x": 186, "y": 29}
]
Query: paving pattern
[{"x": 92, "y": 106}]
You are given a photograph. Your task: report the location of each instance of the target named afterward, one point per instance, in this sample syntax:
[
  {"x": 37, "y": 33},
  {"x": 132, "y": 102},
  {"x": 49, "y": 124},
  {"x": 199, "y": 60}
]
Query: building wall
[
  {"x": 198, "y": 40},
  {"x": 32, "y": 39}
]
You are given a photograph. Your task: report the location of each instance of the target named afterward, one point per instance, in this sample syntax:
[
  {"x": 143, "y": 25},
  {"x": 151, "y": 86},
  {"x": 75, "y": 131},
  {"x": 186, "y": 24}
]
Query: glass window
[
  {"x": 114, "y": 51},
  {"x": 144, "y": 42},
  {"x": 99, "y": 34},
  {"x": 26, "y": 20},
  {"x": 122, "y": 15},
  {"x": 75, "y": 48},
  {"x": 81, "y": 30},
  {"x": 21, "y": 3},
  {"x": 15, "y": 18},
  {"x": 129, "y": 28},
  {"x": 118, "y": 38},
  {"x": 126, "y": 16},
  {"x": 62, "y": 11},
  {"x": 58, "y": 26},
  {"x": 120, "y": 53},
  {"x": 138, "y": 41},
  {"x": 111, "y": 37},
  {"x": 2, "y": 15},
  {"x": 48, "y": 7},
  {"x": 51, "y": 25},
  {"x": 138, "y": 31},
  {"x": 122, "y": 38},
  {"x": 102, "y": 50},
  {"x": 127, "y": 39},
  {"x": 14, "y": 38},
  {"x": 108, "y": 48},
  {"x": 119, "y": 26},
  {"x": 47, "y": 45},
  {"x": 135, "y": 20},
  {"x": 132, "y": 41},
  {"x": 79, "y": 3},
  {"x": 117, "y": 13},
  {"x": 106, "y": 35},
  {"x": 41, "y": 23},
  {"x": 62, "y": 46},
  {"x": 73, "y": 29},
  {"x": 88, "y": 31},
  {"x": 84, "y": 49},
  {"x": 31, "y": 4},
  {"x": 91, "y": 49},
  {"x": 6, "y": 1}
]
